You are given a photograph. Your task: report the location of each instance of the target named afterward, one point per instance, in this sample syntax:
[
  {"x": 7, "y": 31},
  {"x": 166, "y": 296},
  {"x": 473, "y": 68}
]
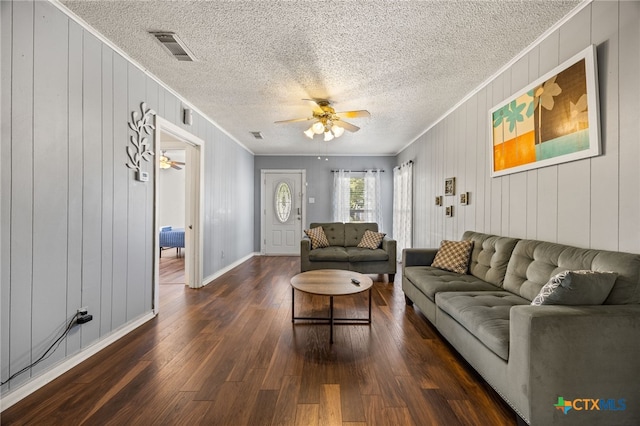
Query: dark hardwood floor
[{"x": 227, "y": 354}]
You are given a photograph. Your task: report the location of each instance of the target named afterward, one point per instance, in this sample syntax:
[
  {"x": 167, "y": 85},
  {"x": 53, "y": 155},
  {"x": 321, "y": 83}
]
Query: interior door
[{"x": 282, "y": 212}]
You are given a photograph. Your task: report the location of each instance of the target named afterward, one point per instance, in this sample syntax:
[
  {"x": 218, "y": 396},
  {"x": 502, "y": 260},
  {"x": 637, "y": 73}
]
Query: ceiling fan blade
[
  {"x": 354, "y": 114},
  {"x": 295, "y": 120},
  {"x": 178, "y": 162},
  {"x": 347, "y": 126},
  {"x": 173, "y": 166},
  {"x": 319, "y": 102}
]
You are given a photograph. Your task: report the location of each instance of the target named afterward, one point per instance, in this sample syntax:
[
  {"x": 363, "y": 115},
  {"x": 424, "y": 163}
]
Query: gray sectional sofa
[
  {"x": 343, "y": 252},
  {"x": 554, "y": 364}
]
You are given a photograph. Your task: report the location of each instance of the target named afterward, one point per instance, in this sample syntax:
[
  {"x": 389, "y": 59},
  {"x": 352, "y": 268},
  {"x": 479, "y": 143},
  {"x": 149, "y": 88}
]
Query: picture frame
[
  {"x": 553, "y": 120},
  {"x": 449, "y": 211},
  {"x": 450, "y": 186},
  {"x": 439, "y": 200},
  {"x": 464, "y": 198}
]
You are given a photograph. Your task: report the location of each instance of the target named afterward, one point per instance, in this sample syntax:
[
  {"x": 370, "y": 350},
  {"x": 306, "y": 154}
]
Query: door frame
[
  {"x": 263, "y": 201},
  {"x": 194, "y": 199}
]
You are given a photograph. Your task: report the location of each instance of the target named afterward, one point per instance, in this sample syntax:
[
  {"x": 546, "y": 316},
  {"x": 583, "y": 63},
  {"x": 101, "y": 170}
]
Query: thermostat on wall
[{"x": 142, "y": 176}]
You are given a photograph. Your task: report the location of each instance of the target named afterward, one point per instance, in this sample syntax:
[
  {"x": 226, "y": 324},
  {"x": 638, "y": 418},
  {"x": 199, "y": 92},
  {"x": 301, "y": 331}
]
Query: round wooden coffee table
[{"x": 330, "y": 282}]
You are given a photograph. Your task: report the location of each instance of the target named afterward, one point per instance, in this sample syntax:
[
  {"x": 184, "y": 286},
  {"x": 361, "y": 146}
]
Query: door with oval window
[{"x": 282, "y": 212}]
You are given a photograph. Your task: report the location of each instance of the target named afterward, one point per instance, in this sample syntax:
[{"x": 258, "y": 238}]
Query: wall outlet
[{"x": 83, "y": 310}]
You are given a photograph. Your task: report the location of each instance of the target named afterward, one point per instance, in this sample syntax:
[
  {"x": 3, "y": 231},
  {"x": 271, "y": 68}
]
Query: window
[
  {"x": 356, "y": 197},
  {"x": 357, "y": 211},
  {"x": 283, "y": 202}
]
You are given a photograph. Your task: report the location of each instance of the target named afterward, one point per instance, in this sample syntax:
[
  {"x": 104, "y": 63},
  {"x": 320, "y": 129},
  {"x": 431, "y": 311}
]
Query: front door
[{"x": 282, "y": 195}]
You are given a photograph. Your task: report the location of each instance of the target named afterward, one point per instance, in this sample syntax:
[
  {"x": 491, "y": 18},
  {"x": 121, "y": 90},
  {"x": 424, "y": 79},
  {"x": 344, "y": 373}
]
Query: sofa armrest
[
  {"x": 305, "y": 248},
  {"x": 418, "y": 256},
  {"x": 389, "y": 246},
  {"x": 574, "y": 352}
]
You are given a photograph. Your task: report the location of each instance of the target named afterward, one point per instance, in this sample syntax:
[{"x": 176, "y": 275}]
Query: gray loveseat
[
  {"x": 553, "y": 364},
  {"x": 343, "y": 252}
]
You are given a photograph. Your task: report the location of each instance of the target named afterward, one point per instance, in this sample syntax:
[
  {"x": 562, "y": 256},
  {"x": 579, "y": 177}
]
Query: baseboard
[
  {"x": 36, "y": 383},
  {"x": 221, "y": 272}
]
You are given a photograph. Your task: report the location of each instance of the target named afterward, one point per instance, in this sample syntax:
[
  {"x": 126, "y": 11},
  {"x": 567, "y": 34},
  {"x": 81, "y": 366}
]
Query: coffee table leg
[
  {"x": 293, "y": 304},
  {"x": 370, "y": 305},
  {"x": 331, "y": 319}
]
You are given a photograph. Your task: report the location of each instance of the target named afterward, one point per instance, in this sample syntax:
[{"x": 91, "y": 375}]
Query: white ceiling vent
[
  {"x": 174, "y": 45},
  {"x": 257, "y": 135}
]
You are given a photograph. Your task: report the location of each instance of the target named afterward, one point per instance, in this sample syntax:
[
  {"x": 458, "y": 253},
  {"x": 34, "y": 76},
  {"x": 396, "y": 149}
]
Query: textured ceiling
[{"x": 407, "y": 63}]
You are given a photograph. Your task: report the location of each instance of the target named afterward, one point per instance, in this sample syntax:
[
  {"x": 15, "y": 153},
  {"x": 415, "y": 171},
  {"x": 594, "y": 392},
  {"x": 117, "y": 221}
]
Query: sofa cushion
[
  {"x": 354, "y": 231},
  {"x": 317, "y": 237},
  {"x": 371, "y": 240},
  {"x": 431, "y": 280},
  {"x": 490, "y": 256},
  {"x": 533, "y": 263},
  {"x": 329, "y": 254},
  {"x": 485, "y": 314},
  {"x": 358, "y": 254},
  {"x": 453, "y": 256},
  {"x": 334, "y": 232},
  {"x": 576, "y": 288}
]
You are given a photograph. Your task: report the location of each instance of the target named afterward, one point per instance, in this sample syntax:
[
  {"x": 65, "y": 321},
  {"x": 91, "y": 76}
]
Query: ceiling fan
[
  {"x": 166, "y": 162},
  {"x": 328, "y": 121}
]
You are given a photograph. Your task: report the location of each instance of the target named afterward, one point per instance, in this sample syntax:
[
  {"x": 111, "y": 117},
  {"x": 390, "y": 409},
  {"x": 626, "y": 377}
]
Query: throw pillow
[
  {"x": 317, "y": 237},
  {"x": 371, "y": 240},
  {"x": 576, "y": 288},
  {"x": 453, "y": 256}
]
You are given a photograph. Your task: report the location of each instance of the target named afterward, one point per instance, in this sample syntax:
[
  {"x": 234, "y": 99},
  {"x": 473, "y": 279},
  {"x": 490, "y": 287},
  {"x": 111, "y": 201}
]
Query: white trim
[
  {"x": 37, "y": 382},
  {"x": 303, "y": 202},
  {"x": 227, "y": 268},
  {"x": 505, "y": 67},
  {"x": 195, "y": 197},
  {"x": 122, "y": 53}
]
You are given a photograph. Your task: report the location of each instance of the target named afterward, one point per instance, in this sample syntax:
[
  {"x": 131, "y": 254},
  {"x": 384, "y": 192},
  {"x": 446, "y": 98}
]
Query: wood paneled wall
[
  {"x": 589, "y": 203},
  {"x": 77, "y": 228}
]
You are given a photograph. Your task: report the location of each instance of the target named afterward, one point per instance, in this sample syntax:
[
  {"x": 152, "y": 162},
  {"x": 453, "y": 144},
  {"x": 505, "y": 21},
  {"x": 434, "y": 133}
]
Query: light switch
[{"x": 312, "y": 200}]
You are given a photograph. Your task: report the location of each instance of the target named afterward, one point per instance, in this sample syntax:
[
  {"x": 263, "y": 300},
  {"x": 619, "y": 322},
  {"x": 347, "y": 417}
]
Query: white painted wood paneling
[
  {"x": 21, "y": 207},
  {"x": 107, "y": 141},
  {"x": 50, "y": 174},
  {"x": 604, "y": 169},
  {"x": 590, "y": 203},
  {"x": 6, "y": 9},
  {"x": 77, "y": 228},
  {"x": 91, "y": 155},
  {"x": 75, "y": 192},
  {"x": 121, "y": 177}
]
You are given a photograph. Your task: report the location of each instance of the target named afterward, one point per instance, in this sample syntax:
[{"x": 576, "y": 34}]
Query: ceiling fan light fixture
[
  {"x": 309, "y": 133},
  {"x": 318, "y": 128},
  {"x": 337, "y": 130},
  {"x": 328, "y": 136}
]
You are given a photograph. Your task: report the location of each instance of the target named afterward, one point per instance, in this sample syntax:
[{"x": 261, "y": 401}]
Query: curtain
[
  {"x": 372, "y": 207},
  {"x": 341, "y": 195},
  {"x": 403, "y": 207}
]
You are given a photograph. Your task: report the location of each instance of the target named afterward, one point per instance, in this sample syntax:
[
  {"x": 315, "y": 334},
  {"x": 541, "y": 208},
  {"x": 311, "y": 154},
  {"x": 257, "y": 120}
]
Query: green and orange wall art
[{"x": 553, "y": 120}]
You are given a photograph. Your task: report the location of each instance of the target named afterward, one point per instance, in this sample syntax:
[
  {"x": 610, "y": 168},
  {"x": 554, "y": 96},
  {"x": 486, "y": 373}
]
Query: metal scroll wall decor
[{"x": 141, "y": 124}]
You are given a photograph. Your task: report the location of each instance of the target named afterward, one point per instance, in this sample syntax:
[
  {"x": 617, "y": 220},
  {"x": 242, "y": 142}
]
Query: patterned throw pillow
[
  {"x": 453, "y": 256},
  {"x": 371, "y": 240},
  {"x": 576, "y": 288},
  {"x": 317, "y": 237}
]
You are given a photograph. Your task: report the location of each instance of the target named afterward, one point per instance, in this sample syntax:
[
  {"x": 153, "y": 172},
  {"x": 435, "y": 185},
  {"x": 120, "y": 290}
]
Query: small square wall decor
[
  {"x": 450, "y": 186},
  {"x": 449, "y": 211},
  {"x": 439, "y": 200},
  {"x": 464, "y": 198}
]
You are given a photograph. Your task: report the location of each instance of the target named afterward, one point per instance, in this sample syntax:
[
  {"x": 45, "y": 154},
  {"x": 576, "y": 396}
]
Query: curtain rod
[
  {"x": 403, "y": 164},
  {"x": 358, "y": 171}
]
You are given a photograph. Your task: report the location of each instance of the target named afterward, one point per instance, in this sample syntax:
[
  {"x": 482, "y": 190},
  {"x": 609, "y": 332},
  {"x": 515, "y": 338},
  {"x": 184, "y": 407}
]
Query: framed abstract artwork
[{"x": 553, "y": 120}]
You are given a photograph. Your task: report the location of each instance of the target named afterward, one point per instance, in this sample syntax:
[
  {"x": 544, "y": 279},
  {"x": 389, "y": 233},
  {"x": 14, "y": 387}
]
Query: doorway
[
  {"x": 169, "y": 137},
  {"x": 283, "y": 213}
]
